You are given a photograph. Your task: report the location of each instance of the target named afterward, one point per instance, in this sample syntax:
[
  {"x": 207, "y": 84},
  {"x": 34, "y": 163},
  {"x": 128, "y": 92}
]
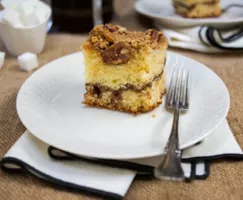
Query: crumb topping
[
  {"x": 103, "y": 35},
  {"x": 115, "y": 42}
]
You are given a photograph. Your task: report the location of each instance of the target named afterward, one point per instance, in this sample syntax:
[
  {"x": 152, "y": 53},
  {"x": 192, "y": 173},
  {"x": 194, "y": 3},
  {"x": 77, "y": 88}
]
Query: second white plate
[
  {"x": 49, "y": 105},
  {"x": 164, "y": 11}
]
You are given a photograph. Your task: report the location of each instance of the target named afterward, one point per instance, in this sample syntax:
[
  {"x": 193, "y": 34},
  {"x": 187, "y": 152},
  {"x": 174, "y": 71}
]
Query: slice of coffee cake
[
  {"x": 124, "y": 70},
  {"x": 197, "y": 8}
]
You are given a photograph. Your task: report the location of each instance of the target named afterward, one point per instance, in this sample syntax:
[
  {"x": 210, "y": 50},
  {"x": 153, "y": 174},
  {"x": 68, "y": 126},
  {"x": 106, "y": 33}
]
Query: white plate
[
  {"x": 49, "y": 105},
  {"x": 164, "y": 11}
]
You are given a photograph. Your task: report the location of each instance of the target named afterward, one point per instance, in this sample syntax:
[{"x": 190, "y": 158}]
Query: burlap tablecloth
[{"x": 225, "y": 181}]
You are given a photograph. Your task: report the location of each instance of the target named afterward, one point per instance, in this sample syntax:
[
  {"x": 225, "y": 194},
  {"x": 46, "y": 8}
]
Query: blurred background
[
  {"x": 76, "y": 16},
  {"x": 223, "y": 33}
]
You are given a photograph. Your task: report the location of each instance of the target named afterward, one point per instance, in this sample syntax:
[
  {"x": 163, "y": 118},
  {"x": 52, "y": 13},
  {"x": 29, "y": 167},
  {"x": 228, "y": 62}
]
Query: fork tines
[{"x": 178, "y": 92}]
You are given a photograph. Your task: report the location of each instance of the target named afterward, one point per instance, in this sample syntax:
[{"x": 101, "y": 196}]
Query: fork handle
[
  {"x": 170, "y": 167},
  {"x": 173, "y": 141}
]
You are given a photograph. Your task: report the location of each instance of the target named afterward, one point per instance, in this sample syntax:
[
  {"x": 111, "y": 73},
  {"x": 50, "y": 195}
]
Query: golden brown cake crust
[
  {"x": 116, "y": 44},
  {"x": 102, "y": 35}
]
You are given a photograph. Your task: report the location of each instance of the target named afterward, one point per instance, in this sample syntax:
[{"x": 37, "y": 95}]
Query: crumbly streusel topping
[
  {"x": 116, "y": 42},
  {"x": 103, "y": 35}
]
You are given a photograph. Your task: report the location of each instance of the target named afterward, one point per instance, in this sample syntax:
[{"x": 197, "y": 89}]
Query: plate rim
[
  {"x": 192, "y": 22},
  {"x": 121, "y": 157}
]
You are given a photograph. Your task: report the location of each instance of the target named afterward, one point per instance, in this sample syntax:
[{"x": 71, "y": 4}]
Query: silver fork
[{"x": 177, "y": 99}]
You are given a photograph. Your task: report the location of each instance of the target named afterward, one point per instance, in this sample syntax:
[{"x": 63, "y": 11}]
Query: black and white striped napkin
[
  {"x": 112, "y": 178},
  {"x": 204, "y": 38}
]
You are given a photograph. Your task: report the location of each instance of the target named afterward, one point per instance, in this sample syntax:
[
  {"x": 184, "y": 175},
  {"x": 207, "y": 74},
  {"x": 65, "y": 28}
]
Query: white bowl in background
[{"x": 25, "y": 39}]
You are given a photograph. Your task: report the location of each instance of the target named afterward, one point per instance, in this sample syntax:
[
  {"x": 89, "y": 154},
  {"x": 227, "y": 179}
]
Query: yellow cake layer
[
  {"x": 139, "y": 70},
  {"x": 199, "y": 10},
  {"x": 129, "y": 100}
]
